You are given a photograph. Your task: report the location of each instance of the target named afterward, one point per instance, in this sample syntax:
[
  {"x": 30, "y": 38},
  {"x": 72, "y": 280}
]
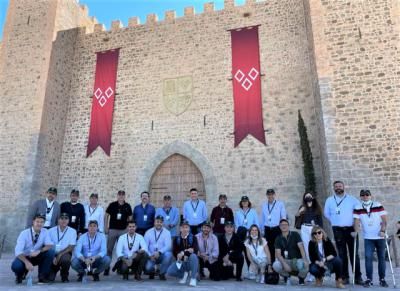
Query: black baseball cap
[
  {"x": 93, "y": 222},
  {"x": 283, "y": 219},
  {"x": 52, "y": 190},
  {"x": 121, "y": 192},
  {"x": 39, "y": 215},
  {"x": 64, "y": 215},
  {"x": 221, "y": 196},
  {"x": 229, "y": 223},
  {"x": 184, "y": 222},
  {"x": 244, "y": 198},
  {"x": 167, "y": 197},
  {"x": 159, "y": 217},
  {"x": 207, "y": 223},
  {"x": 270, "y": 191},
  {"x": 75, "y": 191},
  {"x": 94, "y": 195}
]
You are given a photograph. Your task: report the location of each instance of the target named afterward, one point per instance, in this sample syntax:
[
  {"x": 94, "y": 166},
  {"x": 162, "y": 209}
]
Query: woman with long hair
[
  {"x": 323, "y": 256},
  {"x": 258, "y": 254}
]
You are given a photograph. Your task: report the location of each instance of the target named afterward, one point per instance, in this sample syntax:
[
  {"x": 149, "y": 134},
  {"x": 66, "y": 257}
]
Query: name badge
[
  {"x": 286, "y": 253},
  {"x": 119, "y": 216},
  {"x": 145, "y": 217},
  {"x": 245, "y": 221},
  {"x": 167, "y": 217},
  {"x": 370, "y": 223},
  {"x": 337, "y": 210},
  {"x": 73, "y": 218},
  {"x": 269, "y": 217},
  {"x": 89, "y": 254},
  {"x": 194, "y": 214},
  {"x": 222, "y": 220},
  {"x": 58, "y": 248}
]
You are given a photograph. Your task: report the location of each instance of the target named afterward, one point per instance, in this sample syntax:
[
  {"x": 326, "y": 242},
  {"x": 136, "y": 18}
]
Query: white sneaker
[
  {"x": 184, "y": 279},
  {"x": 262, "y": 279},
  {"x": 258, "y": 278},
  {"x": 310, "y": 278},
  {"x": 193, "y": 283}
]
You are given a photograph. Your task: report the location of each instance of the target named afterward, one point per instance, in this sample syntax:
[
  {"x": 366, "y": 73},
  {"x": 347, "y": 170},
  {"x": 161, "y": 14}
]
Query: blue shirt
[
  {"x": 90, "y": 247},
  {"x": 171, "y": 217},
  {"x": 158, "y": 240},
  {"x": 62, "y": 240},
  {"x": 272, "y": 213},
  {"x": 246, "y": 219},
  {"x": 26, "y": 241},
  {"x": 195, "y": 212},
  {"x": 144, "y": 216},
  {"x": 339, "y": 211}
]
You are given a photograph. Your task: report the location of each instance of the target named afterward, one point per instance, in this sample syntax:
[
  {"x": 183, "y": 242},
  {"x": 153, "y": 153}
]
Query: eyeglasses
[{"x": 317, "y": 232}]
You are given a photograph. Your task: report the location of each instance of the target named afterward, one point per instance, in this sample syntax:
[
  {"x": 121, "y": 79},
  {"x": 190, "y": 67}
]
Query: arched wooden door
[{"x": 175, "y": 177}]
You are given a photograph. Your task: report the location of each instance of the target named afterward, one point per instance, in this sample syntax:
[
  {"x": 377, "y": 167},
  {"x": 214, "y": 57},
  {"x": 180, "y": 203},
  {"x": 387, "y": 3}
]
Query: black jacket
[
  {"x": 329, "y": 249},
  {"x": 234, "y": 249}
]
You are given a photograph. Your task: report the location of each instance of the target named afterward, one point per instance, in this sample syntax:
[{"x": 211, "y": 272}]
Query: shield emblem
[{"x": 177, "y": 94}]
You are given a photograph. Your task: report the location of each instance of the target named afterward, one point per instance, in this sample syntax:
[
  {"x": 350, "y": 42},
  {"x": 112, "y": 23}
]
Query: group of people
[{"x": 160, "y": 242}]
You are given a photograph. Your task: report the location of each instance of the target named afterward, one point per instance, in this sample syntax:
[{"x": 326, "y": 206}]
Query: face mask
[
  {"x": 339, "y": 191},
  {"x": 254, "y": 236},
  {"x": 367, "y": 203}
]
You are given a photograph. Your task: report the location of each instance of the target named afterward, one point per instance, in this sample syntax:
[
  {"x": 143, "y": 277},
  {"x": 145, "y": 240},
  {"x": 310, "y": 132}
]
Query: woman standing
[
  {"x": 258, "y": 254},
  {"x": 323, "y": 256},
  {"x": 245, "y": 217}
]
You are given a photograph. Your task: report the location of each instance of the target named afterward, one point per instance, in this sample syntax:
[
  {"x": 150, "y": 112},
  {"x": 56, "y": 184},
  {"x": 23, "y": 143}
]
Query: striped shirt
[{"x": 370, "y": 218}]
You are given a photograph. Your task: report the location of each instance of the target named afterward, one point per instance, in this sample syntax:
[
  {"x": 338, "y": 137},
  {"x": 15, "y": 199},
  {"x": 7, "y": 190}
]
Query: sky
[{"x": 107, "y": 10}]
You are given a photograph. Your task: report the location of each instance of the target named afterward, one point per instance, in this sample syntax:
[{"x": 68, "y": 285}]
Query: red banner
[
  {"x": 247, "y": 84},
  {"x": 103, "y": 101}
]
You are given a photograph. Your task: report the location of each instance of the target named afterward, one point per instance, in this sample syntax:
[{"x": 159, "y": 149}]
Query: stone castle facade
[{"x": 335, "y": 60}]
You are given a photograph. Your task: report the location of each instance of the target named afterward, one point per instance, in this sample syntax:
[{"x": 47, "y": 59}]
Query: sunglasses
[
  {"x": 365, "y": 193},
  {"x": 317, "y": 232}
]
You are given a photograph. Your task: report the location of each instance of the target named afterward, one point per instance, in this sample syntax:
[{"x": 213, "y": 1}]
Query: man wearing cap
[
  {"x": 170, "y": 215},
  {"x": 117, "y": 215},
  {"x": 245, "y": 217},
  {"x": 230, "y": 252},
  {"x": 90, "y": 253},
  {"x": 208, "y": 251},
  {"x": 33, "y": 248},
  {"x": 220, "y": 214},
  {"x": 289, "y": 253},
  {"x": 143, "y": 214},
  {"x": 372, "y": 217},
  {"x": 272, "y": 212},
  {"x": 75, "y": 211},
  {"x": 49, "y": 207},
  {"x": 158, "y": 240},
  {"x": 131, "y": 252},
  {"x": 195, "y": 212},
  {"x": 63, "y": 239},
  {"x": 185, "y": 249},
  {"x": 93, "y": 211},
  {"x": 339, "y": 211}
]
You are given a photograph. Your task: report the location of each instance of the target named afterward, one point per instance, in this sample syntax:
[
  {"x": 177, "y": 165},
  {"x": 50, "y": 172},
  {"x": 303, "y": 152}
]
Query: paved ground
[{"x": 114, "y": 282}]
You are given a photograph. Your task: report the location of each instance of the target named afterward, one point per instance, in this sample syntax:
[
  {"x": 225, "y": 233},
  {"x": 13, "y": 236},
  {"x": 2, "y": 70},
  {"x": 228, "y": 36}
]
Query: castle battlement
[{"x": 170, "y": 15}]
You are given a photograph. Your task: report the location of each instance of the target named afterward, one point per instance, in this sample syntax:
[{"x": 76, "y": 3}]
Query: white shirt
[
  {"x": 50, "y": 205},
  {"x": 256, "y": 249},
  {"x": 94, "y": 214},
  {"x": 370, "y": 219},
  {"x": 339, "y": 210},
  {"x": 128, "y": 245},
  {"x": 62, "y": 239},
  {"x": 158, "y": 240}
]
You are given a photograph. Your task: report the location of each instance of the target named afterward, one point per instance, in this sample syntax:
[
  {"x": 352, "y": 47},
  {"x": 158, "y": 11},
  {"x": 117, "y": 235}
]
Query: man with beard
[
  {"x": 75, "y": 211},
  {"x": 208, "y": 251},
  {"x": 143, "y": 214},
  {"x": 220, "y": 214},
  {"x": 339, "y": 211}
]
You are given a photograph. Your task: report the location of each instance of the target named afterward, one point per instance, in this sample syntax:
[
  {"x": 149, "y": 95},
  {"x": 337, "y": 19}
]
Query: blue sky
[{"x": 107, "y": 10}]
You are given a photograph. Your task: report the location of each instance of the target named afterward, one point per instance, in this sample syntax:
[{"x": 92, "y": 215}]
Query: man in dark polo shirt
[
  {"x": 289, "y": 253},
  {"x": 118, "y": 213},
  {"x": 75, "y": 211},
  {"x": 220, "y": 214}
]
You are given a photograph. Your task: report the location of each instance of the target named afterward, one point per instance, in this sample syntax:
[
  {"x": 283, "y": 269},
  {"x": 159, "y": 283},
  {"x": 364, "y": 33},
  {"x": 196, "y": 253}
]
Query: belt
[{"x": 342, "y": 227}]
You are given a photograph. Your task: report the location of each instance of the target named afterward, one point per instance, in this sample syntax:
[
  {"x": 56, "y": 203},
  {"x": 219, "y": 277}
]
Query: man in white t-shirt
[{"x": 372, "y": 217}]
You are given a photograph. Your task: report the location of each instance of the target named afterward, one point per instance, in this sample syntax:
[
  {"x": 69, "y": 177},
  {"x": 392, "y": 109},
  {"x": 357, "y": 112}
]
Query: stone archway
[{"x": 187, "y": 151}]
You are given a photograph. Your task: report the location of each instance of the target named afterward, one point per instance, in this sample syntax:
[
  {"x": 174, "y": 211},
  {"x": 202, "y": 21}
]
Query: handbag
[
  {"x": 271, "y": 278},
  {"x": 298, "y": 221}
]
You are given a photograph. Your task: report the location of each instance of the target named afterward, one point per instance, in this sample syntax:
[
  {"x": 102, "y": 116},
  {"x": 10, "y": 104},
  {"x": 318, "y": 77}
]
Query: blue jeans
[
  {"x": 335, "y": 265},
  {"x": 100, "y": 264},
  {"x": 191, "y": 265},
  {"x": 164, "y": 261},
  {"x": 370, "y": 245},
  {"x": 44, "y": 260}
]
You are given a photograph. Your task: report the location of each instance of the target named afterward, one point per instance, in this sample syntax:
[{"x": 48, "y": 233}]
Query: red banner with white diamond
[
  {"x": 247, "y": 84},
  {"x": 103, "y": 101}
]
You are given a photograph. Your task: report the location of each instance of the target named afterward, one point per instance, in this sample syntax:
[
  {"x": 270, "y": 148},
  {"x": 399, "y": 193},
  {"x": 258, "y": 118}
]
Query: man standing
[
  {"x": 91, "y": 253},
  {"x": 339, "y": 211},
  {"x": 195, "y": 212},
  {"x": 75, "y": 211},
  {"x": 185, "y": 249},
  {"x": 143, "y": 214},
  {"x": 170, "y": 215},
  {"x": 63, "y": 239},
  {"x": 48, "y": 206},
  {"x": 93, "y": 211},
  {"x": 132, "y": 252},
  {"x": 290, "y": 254},
  {"x": 117, "y": 215},
  {"x": 272, "y": 212},
  {"x": 372, "y": 217},
  {"x": 220, "y": 214},
  {"x": 33, "y": 248},
  {"x": 208, "y": 252},
  {"x": 158, "y": 240},
  {"x": 230, "y": 253}
]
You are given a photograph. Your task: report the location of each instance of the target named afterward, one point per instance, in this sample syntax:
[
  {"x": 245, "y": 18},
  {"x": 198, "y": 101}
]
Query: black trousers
[
  {"x": 226, "y": 272},
  {"x": 137, "y": 265},
  {"x": 63, "y": 266},
  {"x": 344, "y": 240},
  {"x": 213, "y": 268},
  {"x": 270, "y": 234},
  {"x": 195, "y": 229}
]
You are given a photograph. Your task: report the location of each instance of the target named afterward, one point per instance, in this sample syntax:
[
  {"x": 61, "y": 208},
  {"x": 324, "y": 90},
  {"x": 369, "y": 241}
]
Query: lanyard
[
  {"x": 222, "y": 211},
  {"x": 94, "y": 210},
  {"x": 185, "y": 243},
  {"x": 338, "y": 204},
  {"x": 245, "y": 214},
  {"x": 197, "y": 205},
  {"x": 167, "y": 211},
  {"x": 205, "y": 243},
  {"x": 272, "y": 208},
  {"x": 287, "y": 240},
  {"x": 157, "y": 237},
  {"x": 91, "y": 242},
  {"x": 368, "y": 212},
  {"x": 228, "y": 241},
  {"x": 130, "y": 244},
  {"x": 255, "y": 247},
  {"x": 63, "y": 234},
  {"x": 34, "y": 240},
  {"x": 48, "y": 209}
]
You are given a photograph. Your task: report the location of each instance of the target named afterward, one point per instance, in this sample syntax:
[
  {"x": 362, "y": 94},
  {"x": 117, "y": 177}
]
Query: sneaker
[
  {"x": 258, "y": 277},
  {"x": 151, "y": 276},
  {"x": 262, "y": 279},
  {"x": 64, "y": 280},
  {"x": 359, "y": 281},
  {"x": 162, "y": 277},
  {"x": 346, "y": 281},
  {"x": 80, "y": 277},
  {"x": 184, "y": 278},
  {"x": 96, "y": 277},
  {"x": 125, "y": 277},
  {"x": 301, "y": 281},
  {"x": 383, "y": 283},
  {"x": 193, "y": 283},
  {"x": 43, "y": 281},
  {"x": 367, "y": 283},
  {"x": 138, "y": 278},
  {"x": 106, "y": 272},
  {"x": 18, "y": 280}
]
